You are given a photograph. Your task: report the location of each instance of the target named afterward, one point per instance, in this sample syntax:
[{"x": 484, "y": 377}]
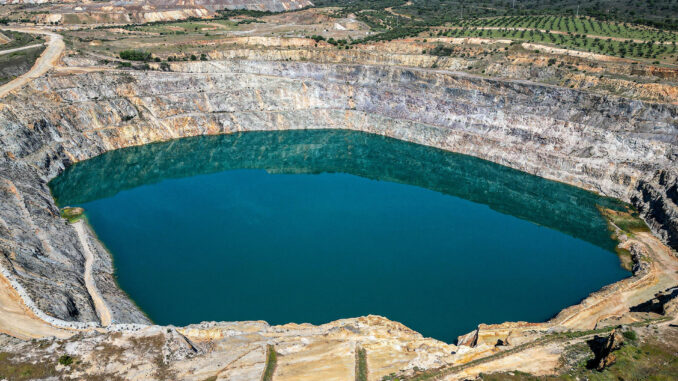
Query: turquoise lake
[{"x": 314, "y": 226}]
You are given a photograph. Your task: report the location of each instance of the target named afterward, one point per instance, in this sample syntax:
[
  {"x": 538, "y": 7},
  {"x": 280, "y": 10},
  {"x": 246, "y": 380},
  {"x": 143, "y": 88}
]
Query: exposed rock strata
[{"x": 618, "y": 147}]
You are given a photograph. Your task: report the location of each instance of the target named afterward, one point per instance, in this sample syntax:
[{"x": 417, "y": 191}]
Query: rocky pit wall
[{"x": 618, "y": 147}]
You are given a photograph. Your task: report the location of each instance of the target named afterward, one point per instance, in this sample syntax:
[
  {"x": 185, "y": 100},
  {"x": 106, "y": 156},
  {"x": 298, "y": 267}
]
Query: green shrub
[
  {"x": 630, "y": 335},
  {"x": 135, "y": 55},
  {"x": 65, "y": 360}
]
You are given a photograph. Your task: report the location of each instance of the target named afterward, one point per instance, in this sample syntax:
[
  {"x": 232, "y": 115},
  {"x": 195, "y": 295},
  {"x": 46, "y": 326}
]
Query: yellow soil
[{"x": 18, "y": 321}]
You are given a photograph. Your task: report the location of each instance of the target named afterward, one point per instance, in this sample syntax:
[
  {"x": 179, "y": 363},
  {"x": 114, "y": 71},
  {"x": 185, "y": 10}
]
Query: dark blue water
[{"x": 316, "y": 226}]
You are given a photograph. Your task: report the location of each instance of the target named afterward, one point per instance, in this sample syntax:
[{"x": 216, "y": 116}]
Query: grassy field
[
  {"x": 19, "y": 39},
  {"x": 14, "y": 64}
]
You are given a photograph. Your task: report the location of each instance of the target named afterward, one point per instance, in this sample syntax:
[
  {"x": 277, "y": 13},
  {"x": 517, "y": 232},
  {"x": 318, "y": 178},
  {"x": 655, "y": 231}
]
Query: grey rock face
[{"x": 618, "y": 147}]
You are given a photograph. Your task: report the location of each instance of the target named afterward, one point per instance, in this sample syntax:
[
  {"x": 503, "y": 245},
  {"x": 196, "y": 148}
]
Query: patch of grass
[
  {"x": 23, "y": 370},
  {"x": 628, "y": 221},
  {"x": 651, "y": 360},
  {"x": 360, "y": 364},
  {"x": 19, "y": 39},
  {"x": 73, "y": 215},
  {"x": 625, "y": 258},
  {"x": 271, "y": 363},
  {"x": 17, "y": 63}
]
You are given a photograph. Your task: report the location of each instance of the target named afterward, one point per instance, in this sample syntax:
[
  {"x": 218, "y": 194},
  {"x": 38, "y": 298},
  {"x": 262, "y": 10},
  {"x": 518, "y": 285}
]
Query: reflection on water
[{"x": 544, "y": 202}]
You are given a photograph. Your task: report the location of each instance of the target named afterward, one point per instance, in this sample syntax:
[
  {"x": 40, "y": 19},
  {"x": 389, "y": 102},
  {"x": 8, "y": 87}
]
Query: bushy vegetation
[
  {"x": 630, "y": 335},
  {"x": 135, "y": 55},
  {"x": 72, "y": 214},
  {"x": 228, "y": 13},
  {"x": 65, "y": 360}
]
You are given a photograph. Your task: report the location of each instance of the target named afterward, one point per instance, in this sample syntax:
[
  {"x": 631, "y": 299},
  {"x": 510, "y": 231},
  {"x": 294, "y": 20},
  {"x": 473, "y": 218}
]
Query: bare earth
[{"x": 18, "y": 321}]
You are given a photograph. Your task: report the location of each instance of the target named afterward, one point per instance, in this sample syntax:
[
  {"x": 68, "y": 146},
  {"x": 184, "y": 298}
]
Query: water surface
[{"x": 313, "y": 226}]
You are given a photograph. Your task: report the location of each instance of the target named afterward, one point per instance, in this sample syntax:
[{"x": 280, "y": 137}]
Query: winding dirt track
[
  {"x": 99, "y": 304},
  {"x": 8, "y": 51},
  {"x": 55, "y": 46}
]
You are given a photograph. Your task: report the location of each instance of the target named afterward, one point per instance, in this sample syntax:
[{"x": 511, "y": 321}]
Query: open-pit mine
[{"x": 275, "y": 190}]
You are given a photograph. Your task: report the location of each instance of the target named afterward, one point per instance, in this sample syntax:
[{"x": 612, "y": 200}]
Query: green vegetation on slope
[
  {"x": 18, "y": 39},
  {"x": 271, "y": 363},
  {"x": 649, "y": 360},
  {"x": 72, "y": 214},
  {"x": 360, "y": 364},
  {"x": 14, "y": 64},
  {"x": 12, "y": 369}
]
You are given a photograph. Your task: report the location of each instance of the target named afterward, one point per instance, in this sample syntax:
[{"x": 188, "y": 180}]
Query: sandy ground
[
  {"x": 18, "y": 321},
  {"x": 537, "y": 361},
  {"x": 99, "y": 304},
  {"x": 55, "y": 46}
]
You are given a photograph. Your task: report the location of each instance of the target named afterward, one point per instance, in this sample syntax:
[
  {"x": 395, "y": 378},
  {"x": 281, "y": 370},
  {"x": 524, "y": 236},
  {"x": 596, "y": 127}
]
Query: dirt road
[
  {"x": 55, "y": 47},
  {"x": 8, "y": 51}
]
